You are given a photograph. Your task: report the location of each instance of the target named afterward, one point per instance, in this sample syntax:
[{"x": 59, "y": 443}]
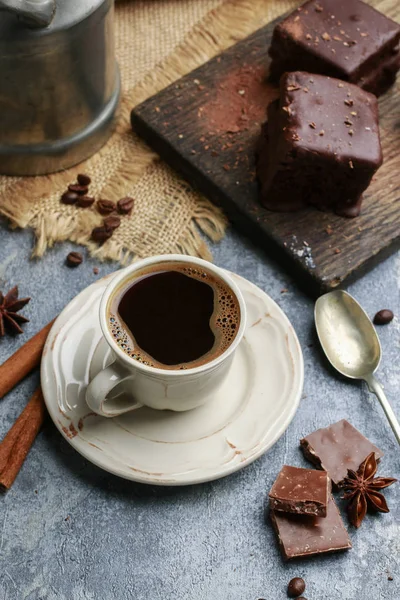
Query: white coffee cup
[{"x": 144, "y": 385}]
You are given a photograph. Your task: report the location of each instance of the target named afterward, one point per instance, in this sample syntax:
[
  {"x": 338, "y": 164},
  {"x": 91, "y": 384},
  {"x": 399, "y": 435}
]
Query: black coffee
[{"x": 174, "y": 316}]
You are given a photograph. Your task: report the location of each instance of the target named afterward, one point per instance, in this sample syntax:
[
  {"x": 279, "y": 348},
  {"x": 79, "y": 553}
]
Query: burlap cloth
[{"x": 157, "y": 41}]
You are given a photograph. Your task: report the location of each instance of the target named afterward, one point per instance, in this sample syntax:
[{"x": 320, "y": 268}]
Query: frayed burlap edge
[{"x": 223, "y": 26}]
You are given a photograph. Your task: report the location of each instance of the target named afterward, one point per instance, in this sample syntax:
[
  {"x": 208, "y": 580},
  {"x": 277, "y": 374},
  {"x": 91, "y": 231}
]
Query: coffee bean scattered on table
[
  {"x": 112, "y": 222},
  {"x": 105, "y": 207},
  {"x": 74, "y": 259},
  {"x": 81, "y": 190},
  {"x": 83, "y": 179},
  {"x": 69, "y": 198},
  {"x": 101, "y": 234},
  {"x": 296, "y": 587},
  {"x": 383, "y": 317},
  {"x": 85, "y": 201},
  {"x": 125, "y": 205}
]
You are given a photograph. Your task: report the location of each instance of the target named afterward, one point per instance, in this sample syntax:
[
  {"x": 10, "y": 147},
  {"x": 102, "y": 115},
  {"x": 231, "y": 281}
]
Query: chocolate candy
[
  {"x": 338, "y": 448},
  {"x": 342, "y": 38},
  {"x": 320, "y": 146},
  {"x": 301, "y": 536},
  {"x": 300, "y": 491}
]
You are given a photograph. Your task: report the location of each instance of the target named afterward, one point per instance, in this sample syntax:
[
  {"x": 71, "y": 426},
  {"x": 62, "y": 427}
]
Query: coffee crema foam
[{"x": 224, "y": 321}]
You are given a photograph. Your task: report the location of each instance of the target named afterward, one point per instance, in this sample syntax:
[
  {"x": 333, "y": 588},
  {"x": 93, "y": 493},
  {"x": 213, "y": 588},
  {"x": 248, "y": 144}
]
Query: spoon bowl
[
  {"x": 347, "y": 335},
  {"x": 351, "y": 343}
]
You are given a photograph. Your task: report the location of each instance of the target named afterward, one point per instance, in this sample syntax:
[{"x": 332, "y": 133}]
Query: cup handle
[{"x": 101, "y": 385}]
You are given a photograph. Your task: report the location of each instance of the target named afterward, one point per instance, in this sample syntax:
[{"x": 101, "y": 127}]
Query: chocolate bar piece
[
  {"x": 338, "y": 448},
  {"x": 300, "y": 536},
  {"x": 320, "y": 146},
  {"x": 300, "y": 491},
  {"x": 346, "y": 39}
]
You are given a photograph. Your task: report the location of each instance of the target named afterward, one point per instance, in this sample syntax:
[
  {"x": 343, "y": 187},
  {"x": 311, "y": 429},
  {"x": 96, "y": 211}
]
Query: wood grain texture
[{"x": 221, "y": 165}]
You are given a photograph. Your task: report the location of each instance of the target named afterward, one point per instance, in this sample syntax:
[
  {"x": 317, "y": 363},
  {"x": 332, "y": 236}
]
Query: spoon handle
[{"x": 376, "y": 388}]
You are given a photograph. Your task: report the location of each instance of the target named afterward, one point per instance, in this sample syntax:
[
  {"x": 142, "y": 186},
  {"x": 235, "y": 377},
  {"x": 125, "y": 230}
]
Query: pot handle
[{"x": 36, "y": 13}]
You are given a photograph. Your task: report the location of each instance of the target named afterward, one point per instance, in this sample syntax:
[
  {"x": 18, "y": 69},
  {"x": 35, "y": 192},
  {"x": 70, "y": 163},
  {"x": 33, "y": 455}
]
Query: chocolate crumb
[
  {"x": 340, "y": 85},
  {"x": 312, "y": 125},
  {"x": 322, "y": 132},
  {"x": 349, "y": 102},
  {"x": 95, "y": 271},
  {"x": 293, "y": 88},
  {"x": 390, "y": 578},
  {"x": 325, "y": 36},
  {"x": 284, "y": 290},
  {"x": 308, "y": 37},
  {"x": 226, "y": 167},
  {"x": 318, "y": 8},
  {"x": 337, "y": 250},
  {"x": 329, "y": 230}
]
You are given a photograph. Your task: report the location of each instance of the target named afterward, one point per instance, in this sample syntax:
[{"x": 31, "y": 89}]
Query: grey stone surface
[{"x": 68, "y": 530}]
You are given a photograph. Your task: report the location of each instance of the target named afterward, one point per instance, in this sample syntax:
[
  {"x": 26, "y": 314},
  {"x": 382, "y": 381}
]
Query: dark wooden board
[{"x": 177, "y": 124}]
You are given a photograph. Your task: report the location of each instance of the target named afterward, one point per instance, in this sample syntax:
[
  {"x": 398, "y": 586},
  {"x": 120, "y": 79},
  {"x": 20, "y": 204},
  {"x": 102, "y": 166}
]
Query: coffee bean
[
  {"x": 83, "y": 179},
  {"x": 112, "y": 222},
  {"x": 383, "y": 317},
  {"x": 105, "y": 207},
  {"x": 101, "y": 234},
  {"x": 125, "y": 205},
  {"x": 85, "y": 201},
  {"x": 81, "y": 190},
  {"x": 69, "y": 198},
  {"x": 296, "y": 587},
  {"x": 74, "y": 259}
]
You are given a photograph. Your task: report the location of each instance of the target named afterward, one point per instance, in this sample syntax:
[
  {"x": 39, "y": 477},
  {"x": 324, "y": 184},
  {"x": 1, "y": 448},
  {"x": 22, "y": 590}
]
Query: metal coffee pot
[{"x": 59, "y": 83}]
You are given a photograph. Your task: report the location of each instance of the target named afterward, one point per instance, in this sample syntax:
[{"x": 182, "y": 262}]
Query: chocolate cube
[
  {"x": 346, "y": 39},
  {"x": 300, "y": 491},
  {"x": 320, "y": 146}
]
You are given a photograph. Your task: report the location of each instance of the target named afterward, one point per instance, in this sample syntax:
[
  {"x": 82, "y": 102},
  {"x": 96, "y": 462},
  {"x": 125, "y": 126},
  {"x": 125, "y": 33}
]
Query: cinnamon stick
[
  {"x": 23, "y": 361},
  {"x": 18, "y": 441}
]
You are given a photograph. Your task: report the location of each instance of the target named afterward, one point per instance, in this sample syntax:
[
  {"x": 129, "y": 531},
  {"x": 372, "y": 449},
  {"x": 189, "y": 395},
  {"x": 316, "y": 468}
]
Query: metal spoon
[{"x": 351, "y": 344}]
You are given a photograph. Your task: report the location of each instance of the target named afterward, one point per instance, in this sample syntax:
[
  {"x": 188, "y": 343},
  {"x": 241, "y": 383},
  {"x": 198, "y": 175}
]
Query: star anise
[
  {"x": 9, "y": 306},
  {"x": 362, "y": 490}
]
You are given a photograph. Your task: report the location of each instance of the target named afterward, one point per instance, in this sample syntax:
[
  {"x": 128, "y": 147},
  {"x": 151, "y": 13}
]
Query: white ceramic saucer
[{"x": 245, "y": 417}]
